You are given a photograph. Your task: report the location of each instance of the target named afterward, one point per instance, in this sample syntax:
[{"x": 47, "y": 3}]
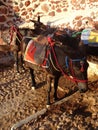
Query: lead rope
[{"x": 65, "y": 75}]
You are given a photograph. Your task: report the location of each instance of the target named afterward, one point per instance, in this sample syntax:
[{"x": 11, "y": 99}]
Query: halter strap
[
  {"x": 75, "y": 60},
  {"x": 66, "y": 61}
]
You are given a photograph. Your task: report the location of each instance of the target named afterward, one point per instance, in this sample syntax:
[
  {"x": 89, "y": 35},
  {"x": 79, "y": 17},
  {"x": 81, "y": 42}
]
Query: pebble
[{"x": 21, "y": 102}]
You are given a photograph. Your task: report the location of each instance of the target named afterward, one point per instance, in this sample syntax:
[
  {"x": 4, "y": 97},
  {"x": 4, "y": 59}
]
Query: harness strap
[
  {"x": 66, "y": 61},
  {"x": 71, "y": 66},
  {"x": 18, "y": 39},
  {"x": 45, "y": 60},
  {"x": 11, "y": 34},
  {"x": 53, "y": 64},
  {"x": 82, "y": 68},
  {"x": 12, "y": 30},
  {"x": 81, "y": 63},
  {"x": 65, "y": 75}
]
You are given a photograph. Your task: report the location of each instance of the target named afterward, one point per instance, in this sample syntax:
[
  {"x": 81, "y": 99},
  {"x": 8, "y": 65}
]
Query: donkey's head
[
  {"x": 39, "y": 27},
  {"x": 78, "y": 71},
  {"x": 77, "y": 66}
]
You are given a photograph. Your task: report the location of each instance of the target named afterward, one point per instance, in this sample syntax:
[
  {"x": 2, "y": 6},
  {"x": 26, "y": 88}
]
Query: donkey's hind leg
[
  {"x": 22, "y": 62},
  {"x": 49, "y": 80},
  {"x": 56, "y": 80},
  {"x": 33, "y": 79}
]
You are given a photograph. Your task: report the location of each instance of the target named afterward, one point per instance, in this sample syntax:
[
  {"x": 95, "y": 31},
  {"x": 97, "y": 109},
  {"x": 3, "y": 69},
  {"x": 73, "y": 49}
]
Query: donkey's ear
[
  {"x": 31, "y": 20},
  {"x": 38, "y": 19}
]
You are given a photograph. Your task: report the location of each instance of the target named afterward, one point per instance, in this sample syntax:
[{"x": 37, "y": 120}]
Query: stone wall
[{"x": 64, "y": 13}]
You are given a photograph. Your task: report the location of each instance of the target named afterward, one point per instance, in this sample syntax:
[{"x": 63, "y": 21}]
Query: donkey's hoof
[
  {"x": 17, "y": 73},
  {"x": 83, "y": 90},
  {"x": 56, "y": 99},
  {"x": 33, "y": 88},
  {"x": 48, "y": 106},
  {"x": 22, "y": 70}
]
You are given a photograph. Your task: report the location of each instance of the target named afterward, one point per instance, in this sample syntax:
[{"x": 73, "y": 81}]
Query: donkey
[
  {"x": 58, "y": 60},
  {"x": 7, "y": 48},
  {"x": 19, "y": 33}
]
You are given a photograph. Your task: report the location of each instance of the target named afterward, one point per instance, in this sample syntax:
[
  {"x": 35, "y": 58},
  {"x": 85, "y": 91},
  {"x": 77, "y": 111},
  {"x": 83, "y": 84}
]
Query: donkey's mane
[{"x": 41, "y": 39}]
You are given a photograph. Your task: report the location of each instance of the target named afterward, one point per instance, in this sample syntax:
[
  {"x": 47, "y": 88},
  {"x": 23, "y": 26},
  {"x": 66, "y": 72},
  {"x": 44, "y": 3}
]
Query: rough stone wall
[{"x": 64, "y": 13}]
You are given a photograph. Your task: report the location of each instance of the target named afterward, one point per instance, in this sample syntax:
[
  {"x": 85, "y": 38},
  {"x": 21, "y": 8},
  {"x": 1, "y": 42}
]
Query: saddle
[
  {"x": 41, "y": 40},
  {"x": 36, "y": 51}
]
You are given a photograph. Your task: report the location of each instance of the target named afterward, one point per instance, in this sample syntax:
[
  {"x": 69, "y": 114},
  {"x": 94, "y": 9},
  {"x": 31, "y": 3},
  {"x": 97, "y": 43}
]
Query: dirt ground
[{"x": 18, "y": 101}]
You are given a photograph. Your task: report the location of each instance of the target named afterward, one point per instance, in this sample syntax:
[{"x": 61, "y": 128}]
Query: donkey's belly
[{"x": 33, "y": 66}]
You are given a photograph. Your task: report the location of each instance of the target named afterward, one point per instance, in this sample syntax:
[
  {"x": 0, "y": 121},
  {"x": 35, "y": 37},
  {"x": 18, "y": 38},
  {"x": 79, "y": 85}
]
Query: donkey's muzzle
[{"x": 83, "y": 87}]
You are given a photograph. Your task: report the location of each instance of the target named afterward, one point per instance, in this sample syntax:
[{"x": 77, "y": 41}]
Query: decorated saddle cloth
[
  {"x": 35, "y": 53},
  {"x": 90, "y": 37}
]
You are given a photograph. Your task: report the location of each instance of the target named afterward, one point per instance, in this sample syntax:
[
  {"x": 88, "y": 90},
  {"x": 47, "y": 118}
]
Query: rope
[
  {"x": 18, "y": 39},
  {"x": 65, "y": 75},
  {"x": 53, "y": 64},
  {"x": 12, "y": 30}
]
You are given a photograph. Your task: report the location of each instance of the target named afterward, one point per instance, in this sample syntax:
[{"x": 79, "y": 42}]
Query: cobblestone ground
[{"x": 18, "y": 101}]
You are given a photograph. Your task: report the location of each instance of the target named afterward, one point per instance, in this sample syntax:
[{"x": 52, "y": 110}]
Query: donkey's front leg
[
  {"x": 16, "y": 65},
  {"x": 33, "y": 79},
  {"x": 56, "y": 80},
  {"x": 49, "y": 80}
]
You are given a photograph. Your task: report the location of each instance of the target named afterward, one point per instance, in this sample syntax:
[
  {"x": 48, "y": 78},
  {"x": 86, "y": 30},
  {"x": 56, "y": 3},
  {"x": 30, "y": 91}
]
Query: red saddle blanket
[{"x": 35, "y": 53}]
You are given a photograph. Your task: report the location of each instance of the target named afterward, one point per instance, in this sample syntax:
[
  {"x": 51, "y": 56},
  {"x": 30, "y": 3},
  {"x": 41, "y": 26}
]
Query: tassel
[
  {"x": 50, "y": 41},
  {"x": 82, "y": 68}
]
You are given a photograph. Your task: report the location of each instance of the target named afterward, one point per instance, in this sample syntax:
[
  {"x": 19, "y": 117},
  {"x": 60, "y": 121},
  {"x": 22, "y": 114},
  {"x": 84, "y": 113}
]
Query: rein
[
  {"x": 12, "y": 30},
  {"x": 65, "y": 75}
]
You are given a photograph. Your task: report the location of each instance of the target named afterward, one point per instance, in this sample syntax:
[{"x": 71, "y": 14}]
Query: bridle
[
  {"x": 72, "y": 78},
  {"x": 75, "y": 60},
  {"x": 69, "y": 64}
]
